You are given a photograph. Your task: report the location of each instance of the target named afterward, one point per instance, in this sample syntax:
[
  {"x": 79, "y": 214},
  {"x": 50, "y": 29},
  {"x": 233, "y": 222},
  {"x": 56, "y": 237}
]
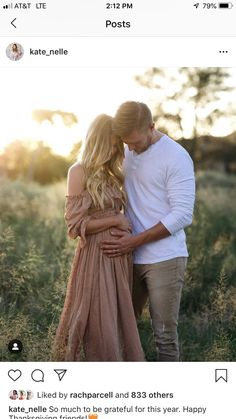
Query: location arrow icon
[{"x": 60, "y": 373}]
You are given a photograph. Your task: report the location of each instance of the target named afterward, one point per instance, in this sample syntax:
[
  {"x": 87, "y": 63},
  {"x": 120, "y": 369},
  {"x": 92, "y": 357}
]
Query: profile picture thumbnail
[
  {"x": 22, "y": 395},
  {"x": 13, "y": 395},
  {"x": 29, "y": 394},
  {"x": 14, "y": 51}
]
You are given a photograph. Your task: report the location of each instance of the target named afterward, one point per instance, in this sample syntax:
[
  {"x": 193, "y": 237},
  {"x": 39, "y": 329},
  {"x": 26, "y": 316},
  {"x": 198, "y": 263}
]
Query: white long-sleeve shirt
[{"x": 160, "y": 187}]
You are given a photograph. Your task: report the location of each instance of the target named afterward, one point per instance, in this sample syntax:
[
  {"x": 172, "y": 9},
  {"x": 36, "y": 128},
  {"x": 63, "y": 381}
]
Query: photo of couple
[
  {"x": 108, "y": 250},
  {"x": 129, "y": 200}
]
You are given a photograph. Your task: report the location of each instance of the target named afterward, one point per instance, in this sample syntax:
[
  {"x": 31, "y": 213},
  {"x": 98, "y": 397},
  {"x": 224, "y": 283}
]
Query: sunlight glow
[{"x": 83, "y": 92}]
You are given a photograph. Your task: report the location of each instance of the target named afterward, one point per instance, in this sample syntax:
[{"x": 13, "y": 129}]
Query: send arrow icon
[{"x": 60, "y": 373}]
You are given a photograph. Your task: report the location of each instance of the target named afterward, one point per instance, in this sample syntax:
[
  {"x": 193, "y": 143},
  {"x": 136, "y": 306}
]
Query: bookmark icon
[{"x": 221, "y": 374}]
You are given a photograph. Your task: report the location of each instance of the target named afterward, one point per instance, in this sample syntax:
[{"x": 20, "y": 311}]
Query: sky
[{"x": 85, "y": 92}]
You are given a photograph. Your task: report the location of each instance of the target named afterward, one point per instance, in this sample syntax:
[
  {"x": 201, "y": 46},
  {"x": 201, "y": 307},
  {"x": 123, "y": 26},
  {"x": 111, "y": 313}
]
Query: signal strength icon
[
  {"x": 8, "y": 6},
  {"x": 196, "y": 5}
]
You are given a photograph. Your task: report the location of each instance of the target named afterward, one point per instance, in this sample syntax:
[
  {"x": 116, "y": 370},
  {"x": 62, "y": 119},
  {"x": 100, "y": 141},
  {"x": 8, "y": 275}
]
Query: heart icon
[
  {"x": 93, "y": 416},
  {"x": 14, "y": 374}
]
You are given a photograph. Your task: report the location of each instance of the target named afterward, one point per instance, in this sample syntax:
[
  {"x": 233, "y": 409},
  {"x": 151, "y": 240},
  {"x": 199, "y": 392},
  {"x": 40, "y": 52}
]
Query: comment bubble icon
[{"x": 37, "y": 376}]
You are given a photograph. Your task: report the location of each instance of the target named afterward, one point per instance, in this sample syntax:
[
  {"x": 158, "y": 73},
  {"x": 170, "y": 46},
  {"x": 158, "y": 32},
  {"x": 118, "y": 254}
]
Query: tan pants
[{"x": 162, "y": 284}]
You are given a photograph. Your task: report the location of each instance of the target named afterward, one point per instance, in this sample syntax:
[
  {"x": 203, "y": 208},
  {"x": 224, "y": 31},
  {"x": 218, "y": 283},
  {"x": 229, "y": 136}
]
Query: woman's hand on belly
[{"x": 122, "y": 223}]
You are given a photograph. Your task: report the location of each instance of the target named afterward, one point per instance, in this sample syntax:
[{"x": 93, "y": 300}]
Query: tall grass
[
  {"x": 36, "y": 255},
  {"x": 35, "y": 258}
]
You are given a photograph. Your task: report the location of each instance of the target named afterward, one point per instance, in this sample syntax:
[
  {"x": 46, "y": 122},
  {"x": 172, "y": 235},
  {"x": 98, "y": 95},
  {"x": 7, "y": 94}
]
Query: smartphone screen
[{"x": 117, "y": 209}]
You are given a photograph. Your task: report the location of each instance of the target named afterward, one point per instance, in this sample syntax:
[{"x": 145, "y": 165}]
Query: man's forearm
[{"x": 157, "y": 232}]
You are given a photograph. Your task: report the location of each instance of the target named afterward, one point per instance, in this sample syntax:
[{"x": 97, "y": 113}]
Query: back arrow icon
[{"x": 12, "y": 22}]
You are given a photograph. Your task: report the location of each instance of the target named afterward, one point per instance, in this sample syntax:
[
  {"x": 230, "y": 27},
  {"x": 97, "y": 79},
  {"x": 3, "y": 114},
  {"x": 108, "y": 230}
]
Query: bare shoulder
[
  {"x": 75, "y": 180},
  {"x": 76, "y": 170}
]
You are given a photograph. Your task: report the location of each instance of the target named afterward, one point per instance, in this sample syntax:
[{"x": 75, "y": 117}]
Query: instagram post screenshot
[{"x": 117, "y": 209}]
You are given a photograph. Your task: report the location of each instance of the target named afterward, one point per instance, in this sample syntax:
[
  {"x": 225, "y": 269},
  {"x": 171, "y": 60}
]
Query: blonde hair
[
  {"x": 131, "y": 115},
  {"x": 101, "y": 168}
]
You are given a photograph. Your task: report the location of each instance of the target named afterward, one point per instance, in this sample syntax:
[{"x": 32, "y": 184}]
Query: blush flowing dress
[{"x": 97, "y": 321}]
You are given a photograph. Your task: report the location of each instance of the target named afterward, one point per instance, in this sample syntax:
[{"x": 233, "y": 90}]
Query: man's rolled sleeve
[{"x": 181, "y": 194}]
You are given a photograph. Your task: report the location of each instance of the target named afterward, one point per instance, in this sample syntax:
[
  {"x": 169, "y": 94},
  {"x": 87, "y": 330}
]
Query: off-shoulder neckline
[
  {"x": 117, "y": 194},
  {"x": 77, "y": 196}
]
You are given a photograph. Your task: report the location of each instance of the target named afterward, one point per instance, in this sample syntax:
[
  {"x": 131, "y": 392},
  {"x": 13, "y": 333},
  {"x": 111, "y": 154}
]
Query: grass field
[{"x": 36, "y": 255}]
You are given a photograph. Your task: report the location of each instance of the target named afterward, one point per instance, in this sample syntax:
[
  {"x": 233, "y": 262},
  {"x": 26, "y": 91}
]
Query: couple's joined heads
[{"x": 132, "y": 125}]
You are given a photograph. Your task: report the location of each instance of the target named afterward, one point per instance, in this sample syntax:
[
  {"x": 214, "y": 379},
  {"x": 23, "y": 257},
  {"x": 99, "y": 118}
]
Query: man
[{"x": 159, "y": 181}]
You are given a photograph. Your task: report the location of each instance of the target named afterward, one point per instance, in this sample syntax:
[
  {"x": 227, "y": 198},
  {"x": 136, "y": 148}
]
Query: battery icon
[{"x": 225, "y": 5}]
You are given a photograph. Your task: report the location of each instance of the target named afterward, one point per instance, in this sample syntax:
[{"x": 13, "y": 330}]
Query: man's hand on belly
[{"x": 124, "y": 243}]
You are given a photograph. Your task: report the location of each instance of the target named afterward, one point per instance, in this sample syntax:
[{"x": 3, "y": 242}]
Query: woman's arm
[
  {"x": 118, "y": 221},
  {"x": 75, "y": 186},
  {"x": 102, "y": 224}
]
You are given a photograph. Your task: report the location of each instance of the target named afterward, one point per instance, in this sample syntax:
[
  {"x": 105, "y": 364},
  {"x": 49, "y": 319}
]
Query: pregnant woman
[{"x": 97, "y": 322}]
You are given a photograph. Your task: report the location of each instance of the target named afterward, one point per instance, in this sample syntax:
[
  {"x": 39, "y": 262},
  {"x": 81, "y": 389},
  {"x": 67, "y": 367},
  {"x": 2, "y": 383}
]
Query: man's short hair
[{"x": 131, "y": 115}]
